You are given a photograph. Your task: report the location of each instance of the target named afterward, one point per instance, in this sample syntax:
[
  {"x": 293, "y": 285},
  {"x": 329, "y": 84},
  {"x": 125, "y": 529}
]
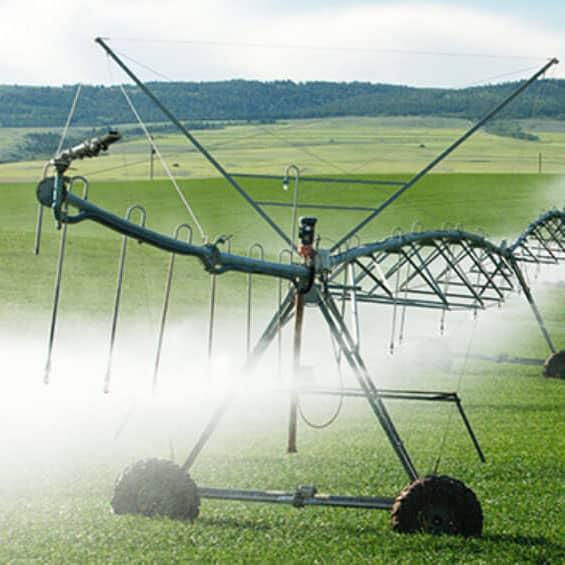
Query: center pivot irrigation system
[{"x": 441, "y": 270}]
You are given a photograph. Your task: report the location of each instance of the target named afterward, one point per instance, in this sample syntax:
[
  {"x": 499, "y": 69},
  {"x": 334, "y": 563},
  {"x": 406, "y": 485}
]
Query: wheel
[
  {"x": 438, "y": 505},
  {"x": 554, "y": 365},
  {"x": 156, "y": 487}
]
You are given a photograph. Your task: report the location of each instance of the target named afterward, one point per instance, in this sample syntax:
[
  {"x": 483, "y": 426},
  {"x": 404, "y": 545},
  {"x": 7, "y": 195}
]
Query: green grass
[
  {"x": 517, "y": 416},
  {"x": 346, "y": 145},
  {"x": 57, "y": 510}
]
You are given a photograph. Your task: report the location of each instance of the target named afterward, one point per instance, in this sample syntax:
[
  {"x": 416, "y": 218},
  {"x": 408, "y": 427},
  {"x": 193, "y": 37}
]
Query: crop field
[
  {"x": 330, "y": 146},
  {"x": 66, "y": 443}
]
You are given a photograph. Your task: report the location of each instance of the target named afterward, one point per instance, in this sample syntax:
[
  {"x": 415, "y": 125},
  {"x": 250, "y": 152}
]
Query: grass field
[
  {"x": 330, "y": 146},
  {"x": 63, "y": 452}
]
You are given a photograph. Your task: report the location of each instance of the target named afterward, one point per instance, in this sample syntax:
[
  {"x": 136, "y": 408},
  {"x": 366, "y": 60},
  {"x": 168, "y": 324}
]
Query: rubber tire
[
  {"x": 438, "y": 505},
  {"x": 156, "y": 487},
  {"x": 554, "y": 365}
]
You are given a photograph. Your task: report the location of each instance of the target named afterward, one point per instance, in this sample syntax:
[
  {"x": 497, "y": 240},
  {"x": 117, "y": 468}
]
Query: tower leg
[
  {"x": 343, "y": 338},
  {"x": 533, "y": 306}
]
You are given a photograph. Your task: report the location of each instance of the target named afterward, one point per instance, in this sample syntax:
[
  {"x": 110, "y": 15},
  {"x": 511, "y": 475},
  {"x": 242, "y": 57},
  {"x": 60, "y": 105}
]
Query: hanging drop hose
[
  {"x": 339, "y": 406},
  {"x": 395, "y": 232}
]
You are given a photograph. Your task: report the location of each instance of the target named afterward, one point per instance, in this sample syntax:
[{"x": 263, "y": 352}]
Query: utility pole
[{"x": 151, "y": 162}]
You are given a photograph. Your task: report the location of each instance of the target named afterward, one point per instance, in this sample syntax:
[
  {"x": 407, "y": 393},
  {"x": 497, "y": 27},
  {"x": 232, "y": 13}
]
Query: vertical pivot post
[
  {"x": 38, "y": 227},
  {"x": 306, "y": 251},
  {"x": 151, "y": 162}
]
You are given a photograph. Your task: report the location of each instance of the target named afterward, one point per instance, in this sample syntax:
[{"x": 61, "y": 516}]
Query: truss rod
[
  {"x": 406, "y": 260},
  {"x": 315, "y": 206},
  {"x": 554, "y": 237},
  {"x": 544, "y": 245},
  {"x": 382, "y": 284},
  {"x": 401, "y": 302},
  {"x": 336, "y": 180},
  {"x": 544, "y": 219},
  {"x": 345, "y": 341},
  {"x": 426, "y": 275},
  {"x": 459, "y": 272},
  {"x": 489, "y": 280}
]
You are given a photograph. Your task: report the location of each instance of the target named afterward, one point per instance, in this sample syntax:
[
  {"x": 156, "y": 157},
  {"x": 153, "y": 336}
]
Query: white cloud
[{"x": 52, "y": 42}]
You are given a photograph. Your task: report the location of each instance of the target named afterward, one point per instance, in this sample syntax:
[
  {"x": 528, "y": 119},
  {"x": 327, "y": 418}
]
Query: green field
[
  {"x": 62, "y": 450},
  {"x": 330, "y": 146}
]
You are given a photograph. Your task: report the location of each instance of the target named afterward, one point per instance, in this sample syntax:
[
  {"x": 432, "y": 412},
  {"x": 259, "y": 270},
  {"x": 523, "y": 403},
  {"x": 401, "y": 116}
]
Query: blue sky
[{"x": 367, "y": 40}]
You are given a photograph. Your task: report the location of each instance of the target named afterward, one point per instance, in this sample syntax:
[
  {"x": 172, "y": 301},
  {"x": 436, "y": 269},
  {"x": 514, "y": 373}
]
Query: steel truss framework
[{"x": 441, "y": 270}]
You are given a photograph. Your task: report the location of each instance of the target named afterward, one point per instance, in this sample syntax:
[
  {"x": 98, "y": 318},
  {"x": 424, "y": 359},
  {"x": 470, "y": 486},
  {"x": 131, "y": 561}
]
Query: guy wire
[
  {"x": 164, "y": 165},
  {"x": 69, "y": 119}
]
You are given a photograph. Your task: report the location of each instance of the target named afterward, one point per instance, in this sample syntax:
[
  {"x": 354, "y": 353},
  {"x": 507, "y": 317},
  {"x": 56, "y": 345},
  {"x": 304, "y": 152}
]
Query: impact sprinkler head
[
  {"x": 221, "y": 239},
  {"x": 306, "y": 230},
  {"x": 306, "y": 235}
]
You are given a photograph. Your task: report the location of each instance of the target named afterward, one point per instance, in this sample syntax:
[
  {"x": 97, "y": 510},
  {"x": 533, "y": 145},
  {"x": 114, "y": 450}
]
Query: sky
[{"x": 418, "y": 42}]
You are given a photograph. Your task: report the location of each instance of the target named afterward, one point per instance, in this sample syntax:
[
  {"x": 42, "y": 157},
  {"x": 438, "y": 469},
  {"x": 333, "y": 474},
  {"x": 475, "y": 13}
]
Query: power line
[{"x": 254, "y": 45}]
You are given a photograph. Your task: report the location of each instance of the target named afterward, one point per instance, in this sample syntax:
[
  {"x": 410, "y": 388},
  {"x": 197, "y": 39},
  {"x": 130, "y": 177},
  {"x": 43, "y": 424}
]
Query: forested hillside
[{"x": 25, "y": 106}]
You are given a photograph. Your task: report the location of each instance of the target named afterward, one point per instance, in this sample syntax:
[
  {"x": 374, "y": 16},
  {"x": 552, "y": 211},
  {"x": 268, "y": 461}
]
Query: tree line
[{"x": 101, "y": 106}]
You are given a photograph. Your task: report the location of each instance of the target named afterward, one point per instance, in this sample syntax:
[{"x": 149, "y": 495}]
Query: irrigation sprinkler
[{"x": 438, "y": 270}]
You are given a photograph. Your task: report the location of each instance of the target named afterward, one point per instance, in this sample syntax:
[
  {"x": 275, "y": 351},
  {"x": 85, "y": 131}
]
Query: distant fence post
[
  {"x": 539, "y": 162},
  {"x": 151, "y": 162}
]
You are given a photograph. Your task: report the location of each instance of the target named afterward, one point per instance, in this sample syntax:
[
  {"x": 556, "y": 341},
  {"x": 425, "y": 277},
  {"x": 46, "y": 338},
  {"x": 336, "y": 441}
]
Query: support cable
[
  {"x": 231, "y": 44},
  {"x": 164, "y": 165},
  {"x": 69, "y": 119}
]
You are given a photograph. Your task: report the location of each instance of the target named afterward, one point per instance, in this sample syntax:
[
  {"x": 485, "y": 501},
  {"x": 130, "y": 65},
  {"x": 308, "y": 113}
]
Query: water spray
[{"x": 438, "y": 270}]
